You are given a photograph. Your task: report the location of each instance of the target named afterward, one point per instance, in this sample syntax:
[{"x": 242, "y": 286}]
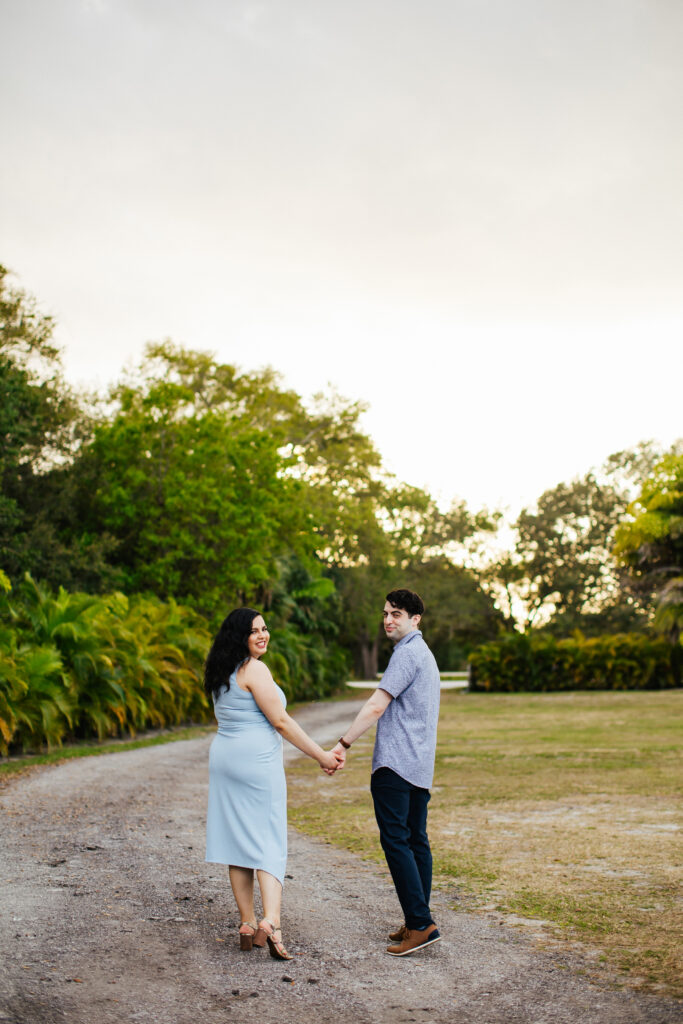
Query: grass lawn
[{"x": 561, "y": 808}]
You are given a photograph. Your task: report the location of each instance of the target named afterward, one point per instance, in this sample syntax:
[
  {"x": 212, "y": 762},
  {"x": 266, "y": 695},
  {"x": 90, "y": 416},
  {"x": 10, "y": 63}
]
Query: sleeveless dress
[{"x": 246, "y": 823}]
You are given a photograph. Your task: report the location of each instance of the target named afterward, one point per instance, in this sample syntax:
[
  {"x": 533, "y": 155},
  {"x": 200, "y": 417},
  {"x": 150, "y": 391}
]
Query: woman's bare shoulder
[{"x": 254, "y": 672}]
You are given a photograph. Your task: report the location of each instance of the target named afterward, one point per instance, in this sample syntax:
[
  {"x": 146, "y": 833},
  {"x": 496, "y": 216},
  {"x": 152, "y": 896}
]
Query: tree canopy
[
  {"x": 42, "y": 424},
  {"x": 201, "y": 482},
  {"x": 561, "y": 573},
  {"x": 650, "y": 543}
]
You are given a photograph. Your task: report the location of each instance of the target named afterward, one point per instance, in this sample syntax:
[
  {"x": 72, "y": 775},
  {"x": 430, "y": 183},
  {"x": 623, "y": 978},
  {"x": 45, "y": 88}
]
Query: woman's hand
[{"x": 329, "y": 762}]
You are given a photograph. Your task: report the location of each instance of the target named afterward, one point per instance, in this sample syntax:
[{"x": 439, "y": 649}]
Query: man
[{"x": 405, "y": 707}]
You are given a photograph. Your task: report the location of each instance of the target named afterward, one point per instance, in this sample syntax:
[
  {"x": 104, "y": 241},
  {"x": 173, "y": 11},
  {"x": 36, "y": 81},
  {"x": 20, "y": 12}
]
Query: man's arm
[{"x": 369, "y": 714}]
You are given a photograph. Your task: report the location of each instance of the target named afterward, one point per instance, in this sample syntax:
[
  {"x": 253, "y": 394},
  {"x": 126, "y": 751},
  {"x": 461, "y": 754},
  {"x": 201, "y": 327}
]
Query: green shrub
[
  {"x": 76, "y": 666},
  {"x": 306, "y": 666},
  {"x": 538, "y": 663}
]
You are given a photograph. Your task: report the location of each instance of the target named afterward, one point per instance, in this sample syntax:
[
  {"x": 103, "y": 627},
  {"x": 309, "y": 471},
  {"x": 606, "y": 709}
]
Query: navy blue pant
[{"x": 401, "y": 813}]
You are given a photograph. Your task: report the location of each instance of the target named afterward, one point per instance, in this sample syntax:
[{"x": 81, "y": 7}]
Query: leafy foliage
[
  {"x": 204, "y": 484},
  {"x": 208, "y": 478},
  {"x": 303, "y": 613},
  {"x": 42, "y": 423},
  {"x": 650, "y": 543},
  {"x": 459, "y": 614},
  {"x": 199, "y": 506},
  {"x": 538, "y": 662},
  {"x": 405, "y": 546},
  {"x": 562, "y": 574},
  {"x": 77, "y": 665}
]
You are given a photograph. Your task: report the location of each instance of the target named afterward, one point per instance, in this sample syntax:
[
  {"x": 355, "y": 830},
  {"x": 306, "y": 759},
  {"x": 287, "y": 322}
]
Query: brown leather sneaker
[
  {"x": 400, "y": 934},
  {"x": 415, "y": 939}
]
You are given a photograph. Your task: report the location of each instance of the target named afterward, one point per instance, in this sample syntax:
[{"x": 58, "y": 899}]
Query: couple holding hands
[{"x": 247, "y": 809}]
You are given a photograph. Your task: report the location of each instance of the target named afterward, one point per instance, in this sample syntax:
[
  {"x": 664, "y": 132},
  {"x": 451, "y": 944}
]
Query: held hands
[
  {"x": 332, "y": 761},
  {"x": 340, "y": 753}
]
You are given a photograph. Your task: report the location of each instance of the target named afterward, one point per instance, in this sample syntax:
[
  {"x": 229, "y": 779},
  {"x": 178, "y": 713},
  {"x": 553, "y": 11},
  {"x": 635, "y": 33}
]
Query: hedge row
[
  {"x": 75, "y": 666},
  {"x": 539, "y": 663}
]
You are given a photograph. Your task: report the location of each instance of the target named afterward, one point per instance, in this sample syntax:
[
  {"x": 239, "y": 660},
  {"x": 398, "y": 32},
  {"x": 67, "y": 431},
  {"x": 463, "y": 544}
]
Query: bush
[
  {"x": 305, "y": 666},
  {"x": 304, "y": 655},
  {"x": 540, "y": 663},
  {"x": 75, "y": 666}
]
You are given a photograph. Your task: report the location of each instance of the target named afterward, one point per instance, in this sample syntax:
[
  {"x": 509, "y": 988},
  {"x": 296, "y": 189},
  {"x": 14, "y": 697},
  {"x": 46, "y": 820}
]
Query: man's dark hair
[{"x": 407, "y": 601}]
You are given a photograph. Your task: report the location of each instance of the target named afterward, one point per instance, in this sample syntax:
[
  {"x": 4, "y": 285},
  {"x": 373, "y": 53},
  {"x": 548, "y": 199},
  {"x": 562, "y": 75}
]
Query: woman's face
[{"x": 257, "y": 641}]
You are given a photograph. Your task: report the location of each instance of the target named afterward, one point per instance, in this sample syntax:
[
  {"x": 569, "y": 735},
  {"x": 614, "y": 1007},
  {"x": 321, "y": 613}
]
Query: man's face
[{"x": 397, "y": 622}]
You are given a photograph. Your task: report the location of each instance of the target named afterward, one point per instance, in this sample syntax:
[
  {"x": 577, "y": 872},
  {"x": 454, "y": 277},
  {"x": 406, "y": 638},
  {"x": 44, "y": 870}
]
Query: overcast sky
[{"x": 466, "y": 213}]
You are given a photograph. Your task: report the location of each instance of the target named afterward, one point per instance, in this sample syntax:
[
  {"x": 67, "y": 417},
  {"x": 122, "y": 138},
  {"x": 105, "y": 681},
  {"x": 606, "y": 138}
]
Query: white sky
[{"x": 466, "y": 213}]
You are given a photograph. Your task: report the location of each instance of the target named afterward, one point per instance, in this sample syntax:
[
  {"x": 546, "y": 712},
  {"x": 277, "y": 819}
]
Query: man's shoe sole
[{"x": 415, "y": 949}]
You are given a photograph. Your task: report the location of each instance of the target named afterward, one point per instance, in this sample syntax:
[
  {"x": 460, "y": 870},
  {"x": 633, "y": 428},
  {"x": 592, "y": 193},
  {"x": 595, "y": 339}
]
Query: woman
[{"x": 246, "y": 825}]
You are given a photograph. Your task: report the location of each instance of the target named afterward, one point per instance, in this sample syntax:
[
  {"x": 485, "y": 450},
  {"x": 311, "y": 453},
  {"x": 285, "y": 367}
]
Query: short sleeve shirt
[{"x": 406, "y": 733}]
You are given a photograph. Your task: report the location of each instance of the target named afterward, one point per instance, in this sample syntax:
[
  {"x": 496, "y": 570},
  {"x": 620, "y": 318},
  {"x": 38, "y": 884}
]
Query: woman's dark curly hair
[{"x": 228, "y": 650}]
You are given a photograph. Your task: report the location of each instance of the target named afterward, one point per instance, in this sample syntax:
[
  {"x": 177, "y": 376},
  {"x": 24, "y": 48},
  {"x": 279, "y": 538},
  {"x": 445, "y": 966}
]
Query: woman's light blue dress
[{"x": 246, "y": 823}]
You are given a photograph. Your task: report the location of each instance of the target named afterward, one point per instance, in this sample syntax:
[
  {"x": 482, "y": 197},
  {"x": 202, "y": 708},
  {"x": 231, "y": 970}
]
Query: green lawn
[{"x": 559, "y": 807}]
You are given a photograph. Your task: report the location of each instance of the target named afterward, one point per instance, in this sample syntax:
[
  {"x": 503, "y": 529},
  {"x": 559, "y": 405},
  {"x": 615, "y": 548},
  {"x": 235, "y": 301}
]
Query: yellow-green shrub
[
  {"x": 537, "y": 662},
  {"x": 73, "y": 665}
]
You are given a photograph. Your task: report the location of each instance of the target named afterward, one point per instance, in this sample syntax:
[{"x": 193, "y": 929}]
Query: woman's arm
[{"x": 258, "y": 680}]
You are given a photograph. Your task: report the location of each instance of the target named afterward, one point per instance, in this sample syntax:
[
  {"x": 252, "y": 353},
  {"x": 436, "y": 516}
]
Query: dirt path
[{"x": 110, "y": 914}]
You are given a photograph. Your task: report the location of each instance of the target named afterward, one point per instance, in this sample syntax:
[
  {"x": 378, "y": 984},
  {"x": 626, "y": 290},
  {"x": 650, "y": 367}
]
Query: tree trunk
[
  {"x": 677, "y": 659},
  {"x": 368, "y": 657}
]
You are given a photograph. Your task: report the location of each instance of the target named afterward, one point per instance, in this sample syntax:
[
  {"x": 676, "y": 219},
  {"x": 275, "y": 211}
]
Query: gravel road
[{"x": 110, "y": 914}]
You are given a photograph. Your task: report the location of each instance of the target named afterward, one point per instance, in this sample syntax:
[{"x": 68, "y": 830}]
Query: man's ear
[{"x": 416, "y": 619}]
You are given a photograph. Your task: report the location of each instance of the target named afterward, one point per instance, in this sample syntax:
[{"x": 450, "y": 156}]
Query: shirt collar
[{"x": 408, "y": 637}]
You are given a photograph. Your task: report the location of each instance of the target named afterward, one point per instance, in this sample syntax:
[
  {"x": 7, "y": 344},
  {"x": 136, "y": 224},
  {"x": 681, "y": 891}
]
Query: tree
[
  {"x": 406, "y": 544},
  {"x": 459, "y": 614},
  {"x": 208, "y": 478},
  {"x": 304, "y": 613},
  {"x": 626, "y": 470},
  {"x": 565, "y": 548},
  {"x": 216, "y": 486},
  {"x": 561, "y": 574},
  {"x": 650, "y": 544},
  {"x": 198, "y": 501},
  {"x": 159, "y": 476},
  {"x": 42, "y": 423},
  {"x": 342, "y": 470}
]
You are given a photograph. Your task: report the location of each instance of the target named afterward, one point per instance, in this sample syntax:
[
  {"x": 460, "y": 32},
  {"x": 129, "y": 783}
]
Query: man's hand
[
  {"x": 372, "y": 710},
  {"x": 329, "y": 762},
  {"x": 340, "y": 753}
]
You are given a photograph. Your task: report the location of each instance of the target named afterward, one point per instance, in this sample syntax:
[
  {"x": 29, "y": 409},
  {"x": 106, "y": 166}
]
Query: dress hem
[{"x": 249, "y": 867}]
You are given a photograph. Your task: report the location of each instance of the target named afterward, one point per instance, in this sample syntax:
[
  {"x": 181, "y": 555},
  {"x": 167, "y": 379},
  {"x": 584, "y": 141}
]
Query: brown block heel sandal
[
  {"x": 267, "y": 932},
  {"x": 247, "y": 937}
]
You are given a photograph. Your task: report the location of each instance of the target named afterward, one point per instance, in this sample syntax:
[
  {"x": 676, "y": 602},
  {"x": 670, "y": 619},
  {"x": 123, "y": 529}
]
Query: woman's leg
[
  {"x": 242, "y": 882},
  {"x": 271, "y": 896}
]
